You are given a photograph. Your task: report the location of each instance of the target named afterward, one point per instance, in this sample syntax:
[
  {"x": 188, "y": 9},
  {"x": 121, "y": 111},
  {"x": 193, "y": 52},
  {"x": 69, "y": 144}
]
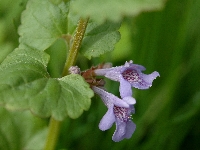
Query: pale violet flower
[
  {"x": 119, "y": 111},
  {"x": 129, "y": 75}
]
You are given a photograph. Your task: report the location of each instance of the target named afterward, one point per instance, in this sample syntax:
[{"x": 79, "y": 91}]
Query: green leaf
[
  {"x": 100, "y": 38},
  {"x": 57, "y": 53},
  {"x": 69, "y": 95},
  {"x": 5, "y": 49},
  {"x": 41, "y": 31},
  {"x": 42, "y": 23},
  {"x": 18, "y": 128},
  {"x": 113, "y": 10},
  {"x": 10, "y": 20},
  {"x": 37, "y": 141},
  {"x": 8, "y": 131},
  {"x": 25, "y": 84}
]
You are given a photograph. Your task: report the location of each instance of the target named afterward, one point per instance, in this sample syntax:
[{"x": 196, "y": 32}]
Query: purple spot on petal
[
  {"x": 131, "y": 75},
  {"x": 122, "y": 113}
]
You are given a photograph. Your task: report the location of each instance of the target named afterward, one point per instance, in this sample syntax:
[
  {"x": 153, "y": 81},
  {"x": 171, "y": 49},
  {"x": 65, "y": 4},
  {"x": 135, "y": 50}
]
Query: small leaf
[
  {"x": 100, "y": 39},
  {"x": 42, "y": 23},
  {"x": 25, "y": 84},
  {"x": 113, "y": 10}
]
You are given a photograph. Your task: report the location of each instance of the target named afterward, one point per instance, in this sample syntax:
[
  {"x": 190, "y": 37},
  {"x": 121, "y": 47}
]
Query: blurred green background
[{"x": 167, "y": 115}]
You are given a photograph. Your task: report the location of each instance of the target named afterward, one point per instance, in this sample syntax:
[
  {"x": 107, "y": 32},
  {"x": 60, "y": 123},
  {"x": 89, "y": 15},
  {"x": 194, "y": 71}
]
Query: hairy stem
[
  {"x": 54, "y": 125},
  {"x": 73, "y": 52}
]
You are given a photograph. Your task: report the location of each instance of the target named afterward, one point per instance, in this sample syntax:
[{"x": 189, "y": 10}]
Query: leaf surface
[
  {"x": 113, "y": 10},
  {"x": 100, "y": 39},
  {"x": 18, "y": 128},
  {"x": 26, "y": 84},
  {"x": 42, "y": 23}
]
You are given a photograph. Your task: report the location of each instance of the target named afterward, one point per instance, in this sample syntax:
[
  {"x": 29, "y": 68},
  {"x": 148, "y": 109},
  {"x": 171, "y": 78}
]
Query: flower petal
[
  {"x": 129, "y": 100},
  {"x": 130, "y": 128},
  {"x": 137, "y": 67},
  {"x": 120, "y": 103},
  {"x": 113, "y": 75},
  {"x": 149, "y": 78},
  {"x": 107, "y": 120},
  {"x": 108, "y": 98},
  {"x": 132, "y": 108},
  {"x": 120, "y": 131},
  {"x": 125, "y": 88},
  {"x": 103, "y": 72},
  {"x": 146, "y": 80}
]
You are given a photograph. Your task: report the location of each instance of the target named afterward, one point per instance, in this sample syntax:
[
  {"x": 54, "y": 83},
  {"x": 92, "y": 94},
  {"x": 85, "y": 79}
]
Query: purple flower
[
  {"x": 128, "y": 75},
  {"x": 119, "y": 111}
]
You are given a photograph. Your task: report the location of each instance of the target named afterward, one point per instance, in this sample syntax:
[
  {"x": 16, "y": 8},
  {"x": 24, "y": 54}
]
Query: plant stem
[
  {"x": 52, "y": 137},
  {"x": 73, "y": 52},
  {"x": 54, "y": 125}
]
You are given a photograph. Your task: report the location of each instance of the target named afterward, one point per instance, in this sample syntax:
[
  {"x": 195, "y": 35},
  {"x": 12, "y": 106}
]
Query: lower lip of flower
[
  {"x": 121, "y": 113},
  {"x": 131, "y": 76}
]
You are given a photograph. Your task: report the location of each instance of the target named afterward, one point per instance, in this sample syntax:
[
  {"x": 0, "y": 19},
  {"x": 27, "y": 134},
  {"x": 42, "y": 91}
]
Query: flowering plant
[
  {"x": 120, "y": 110},
  {"x": 36, "y": 73}
]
